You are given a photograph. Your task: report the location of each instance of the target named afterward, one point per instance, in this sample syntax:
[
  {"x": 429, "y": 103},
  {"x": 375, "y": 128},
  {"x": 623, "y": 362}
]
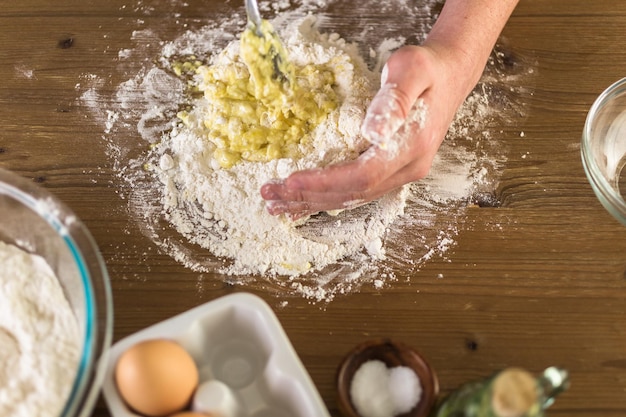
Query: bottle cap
[{"x": 514, "y": 393}]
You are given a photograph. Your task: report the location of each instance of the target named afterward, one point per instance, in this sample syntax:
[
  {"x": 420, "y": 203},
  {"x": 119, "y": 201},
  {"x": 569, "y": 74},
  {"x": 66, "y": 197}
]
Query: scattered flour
[
  {"x": 214, "y": 221},
  {"x": 39, "y": 337}
]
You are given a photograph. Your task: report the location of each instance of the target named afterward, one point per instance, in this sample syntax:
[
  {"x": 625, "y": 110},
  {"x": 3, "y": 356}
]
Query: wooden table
[{"x": 545, "y": 287}]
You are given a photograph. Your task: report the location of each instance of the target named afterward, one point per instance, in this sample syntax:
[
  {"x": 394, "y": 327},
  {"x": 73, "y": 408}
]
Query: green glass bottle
[{"x": 512, "y": 392}]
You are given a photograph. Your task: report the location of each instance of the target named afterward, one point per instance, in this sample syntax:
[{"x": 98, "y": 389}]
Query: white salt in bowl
[
  {"x": 603, "y": 149},
  {"x": 37, "y": 222},
  {"x": 393, "y": 354}
]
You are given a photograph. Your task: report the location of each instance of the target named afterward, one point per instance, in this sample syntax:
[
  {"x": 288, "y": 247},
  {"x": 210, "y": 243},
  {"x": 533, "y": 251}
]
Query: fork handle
[{"x": 252, "y": 10}]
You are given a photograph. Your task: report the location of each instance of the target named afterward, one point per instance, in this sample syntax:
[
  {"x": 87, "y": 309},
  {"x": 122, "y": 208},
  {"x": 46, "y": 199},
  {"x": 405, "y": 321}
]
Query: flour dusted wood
[{"x": 139, "y": 116}]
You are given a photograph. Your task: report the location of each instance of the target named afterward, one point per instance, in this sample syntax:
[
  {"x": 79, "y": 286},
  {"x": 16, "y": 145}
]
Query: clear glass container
[
  {"x": 603, "y": 149},
  {"x": 512, "y": 392},
  {"x": 36, "y": 221}
]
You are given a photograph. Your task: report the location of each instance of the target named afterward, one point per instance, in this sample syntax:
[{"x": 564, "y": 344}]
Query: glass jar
[
  {"x": 603, "y": 149},
  {"x": 513, "y": 392}
]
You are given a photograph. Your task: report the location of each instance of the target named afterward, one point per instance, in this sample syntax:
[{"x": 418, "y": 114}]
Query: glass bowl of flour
[
  {"x": 55, "y": 306},
  {"x": 603, "y": 149}
]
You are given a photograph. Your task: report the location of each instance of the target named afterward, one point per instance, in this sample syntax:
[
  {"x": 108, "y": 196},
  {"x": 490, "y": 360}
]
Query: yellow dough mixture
[
  {"x": 270, "y": 69},
  {"x": 254, "y": 116}
]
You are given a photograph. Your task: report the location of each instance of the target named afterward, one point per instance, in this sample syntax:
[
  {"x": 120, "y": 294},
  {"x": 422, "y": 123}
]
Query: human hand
[{"x": 404, "y": 141}]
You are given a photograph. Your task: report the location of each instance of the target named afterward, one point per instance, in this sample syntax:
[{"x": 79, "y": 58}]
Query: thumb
[{"x": 400, "y": 89}]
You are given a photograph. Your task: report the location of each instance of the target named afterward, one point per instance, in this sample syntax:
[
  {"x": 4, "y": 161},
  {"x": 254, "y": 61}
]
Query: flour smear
[{"x": 212, "y": 220}]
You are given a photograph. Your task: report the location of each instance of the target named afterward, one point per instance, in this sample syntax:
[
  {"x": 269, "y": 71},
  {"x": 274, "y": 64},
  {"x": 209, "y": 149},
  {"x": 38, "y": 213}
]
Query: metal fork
[{"x": 254, "y": 17}]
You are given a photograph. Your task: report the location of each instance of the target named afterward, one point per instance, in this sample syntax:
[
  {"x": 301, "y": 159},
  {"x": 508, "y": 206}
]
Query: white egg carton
[{"x": 238, "y": 342}]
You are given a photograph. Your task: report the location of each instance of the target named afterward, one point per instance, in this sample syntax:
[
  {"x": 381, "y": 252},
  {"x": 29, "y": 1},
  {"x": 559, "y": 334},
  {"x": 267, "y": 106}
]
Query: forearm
[{"x": 466, "y": 32}]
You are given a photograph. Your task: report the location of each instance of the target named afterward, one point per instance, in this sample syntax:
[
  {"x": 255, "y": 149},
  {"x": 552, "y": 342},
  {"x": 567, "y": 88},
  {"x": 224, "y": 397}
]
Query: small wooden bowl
[{"x": 392, "y": 354}]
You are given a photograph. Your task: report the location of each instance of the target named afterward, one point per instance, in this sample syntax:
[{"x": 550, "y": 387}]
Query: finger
[
  {"x": 311, "y": 203},
  {"x": 385, "y": 115},
  {"x": 280, "y": 199},
  {"x": 298, "y": 203},
  {"x": 401, "y": 87},
  {"x": 340, "y": 178},
  {"x": 295, "y": 210},
  {"x": 371, "y": 168}
]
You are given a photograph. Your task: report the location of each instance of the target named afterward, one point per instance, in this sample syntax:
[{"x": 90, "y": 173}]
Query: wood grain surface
[{"x": 535, "y": 280}]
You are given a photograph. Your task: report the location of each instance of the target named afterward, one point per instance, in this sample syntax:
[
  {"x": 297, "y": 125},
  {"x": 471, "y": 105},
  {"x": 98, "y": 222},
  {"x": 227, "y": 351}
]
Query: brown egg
[{"x": 156, "y": 377}]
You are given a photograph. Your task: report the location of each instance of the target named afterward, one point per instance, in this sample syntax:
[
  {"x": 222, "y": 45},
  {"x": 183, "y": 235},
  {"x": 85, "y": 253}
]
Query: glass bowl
[
  {"x": 603, "y": 149},
  {"x": 38, "y": 223}
]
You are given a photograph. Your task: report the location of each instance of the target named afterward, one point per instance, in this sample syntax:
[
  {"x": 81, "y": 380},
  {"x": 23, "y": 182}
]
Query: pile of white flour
[
  {"x": 39, "y": 337},
  {"x": 222, "y": 209}
]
